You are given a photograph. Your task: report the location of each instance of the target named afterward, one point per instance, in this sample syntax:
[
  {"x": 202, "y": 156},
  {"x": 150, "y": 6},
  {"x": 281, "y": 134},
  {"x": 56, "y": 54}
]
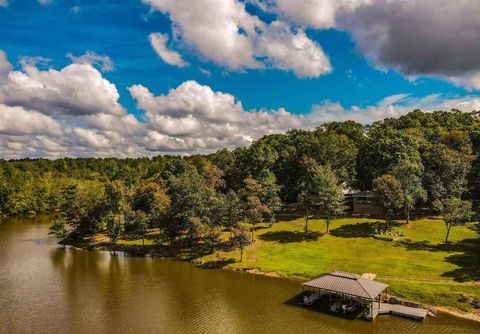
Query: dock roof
[{"x": 347, "y": 283}]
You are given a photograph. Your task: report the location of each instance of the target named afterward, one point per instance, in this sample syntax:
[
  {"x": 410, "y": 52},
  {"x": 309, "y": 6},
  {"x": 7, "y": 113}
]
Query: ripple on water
[{"x": 45, "y": 289}]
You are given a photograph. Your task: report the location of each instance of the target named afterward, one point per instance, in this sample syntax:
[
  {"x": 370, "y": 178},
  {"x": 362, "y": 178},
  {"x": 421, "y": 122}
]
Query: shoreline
[{"x": 138, "y": 251}]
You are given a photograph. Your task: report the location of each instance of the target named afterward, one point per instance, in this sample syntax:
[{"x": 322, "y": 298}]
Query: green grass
[{"x": 417, "y": 267}]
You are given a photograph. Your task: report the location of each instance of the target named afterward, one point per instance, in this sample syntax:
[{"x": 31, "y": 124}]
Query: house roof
[{"x": 347, "y": 283}]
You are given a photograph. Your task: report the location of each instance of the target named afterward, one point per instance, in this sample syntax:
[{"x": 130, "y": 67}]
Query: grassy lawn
[{"x": 418, "y": 267}]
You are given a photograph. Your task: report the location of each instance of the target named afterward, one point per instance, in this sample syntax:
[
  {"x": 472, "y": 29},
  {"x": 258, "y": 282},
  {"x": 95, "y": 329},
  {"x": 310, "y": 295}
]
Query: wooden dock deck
[{"x": 399, "y": 310}]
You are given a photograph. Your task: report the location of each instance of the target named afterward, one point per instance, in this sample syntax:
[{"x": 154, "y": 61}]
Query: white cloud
[
  {"x": 433, "y": 38},
  {"x": 75, "y": 112},
  {"x": 213, "y": 27},
  {"x": 18, "y": 121},
  {"x": 124, "y": 124},
  {"x": 195, "y": 117},
  {"x": 319, "y": 14},
  {"x": 387, "y": 32},
  {"x": 3, "y": 3},
  {"x": 69, "y": 112},
  {"x": 225, "y": 32},
  {"x": 205, "y": 72},
  {"x": 159, "y": 44},
  {"x": 392, "y": 106},
  {"x": 294, "y": 51},
  {"x": 77, "y": 89},
  {"x": 33, "y": 61},
  {"x": 92, "y": 58},
  {"x": 5, "y": 65}
]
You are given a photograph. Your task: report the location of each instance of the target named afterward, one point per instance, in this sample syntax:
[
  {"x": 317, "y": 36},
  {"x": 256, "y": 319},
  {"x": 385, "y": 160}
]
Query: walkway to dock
[{"x": 399, "y": 310}]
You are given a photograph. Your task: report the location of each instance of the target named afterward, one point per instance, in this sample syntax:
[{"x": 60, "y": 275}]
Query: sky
[{"x": 141, "y": 78}]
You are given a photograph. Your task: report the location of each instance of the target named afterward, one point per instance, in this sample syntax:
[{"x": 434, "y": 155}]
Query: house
[{"x": 363, "y": 203}]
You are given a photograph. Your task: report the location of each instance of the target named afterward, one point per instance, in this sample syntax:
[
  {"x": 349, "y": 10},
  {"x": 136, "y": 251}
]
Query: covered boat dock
[{"x": 348, "y": 292}]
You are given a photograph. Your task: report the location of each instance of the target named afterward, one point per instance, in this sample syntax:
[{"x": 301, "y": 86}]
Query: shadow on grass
[
  {"x": 260, "y": 227},
  {"x": 290, "y": 236},
  {"x": 468, "y": 266},
  {"x": 467, "y": 258},
  {"x": 287, "y": 217},
  {"x": 465, "y": 245},
  {"x": 360, "y": 230},
  {"x": 321, "y": 306}
]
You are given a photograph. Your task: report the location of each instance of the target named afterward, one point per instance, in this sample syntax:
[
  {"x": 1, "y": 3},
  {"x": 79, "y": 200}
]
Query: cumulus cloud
[
  {"x": 434, "y": 38},
  {"x": 225, "y": 32},
  {"x": 69, "y": 112},
  {"x": 294, "y": 51},
  {"x": 77, "y": 89},
  {"x": 92, "y": 58},
  {"x": 320, "y": 14},
  {"x": 392, "y": 106},
  {"x": 18, "y": 121},
  {"x": 214, "y": 28},
  {"x": 74, "y": 111},
  {"x": 198, "y": 118},
  {"x": 191, "y": 118},
  {"x": 159, "y": 44},
  {"x": 416, "y": 37}
]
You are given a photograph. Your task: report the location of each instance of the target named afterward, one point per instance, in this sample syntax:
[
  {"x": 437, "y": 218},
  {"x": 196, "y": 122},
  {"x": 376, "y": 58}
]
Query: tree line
[{"x": 428, "y": 160}]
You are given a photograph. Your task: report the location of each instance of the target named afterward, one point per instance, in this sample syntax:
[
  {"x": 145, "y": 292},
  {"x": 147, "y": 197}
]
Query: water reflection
[{"x": 47, "y": 289}]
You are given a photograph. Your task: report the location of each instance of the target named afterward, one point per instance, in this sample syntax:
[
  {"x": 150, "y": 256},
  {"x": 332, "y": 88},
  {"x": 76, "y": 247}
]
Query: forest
[{"x": 418, "y": 161}]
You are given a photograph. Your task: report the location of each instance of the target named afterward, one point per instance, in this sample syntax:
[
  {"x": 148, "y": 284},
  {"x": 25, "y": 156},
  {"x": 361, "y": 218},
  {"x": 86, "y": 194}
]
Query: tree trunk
[
  {"x": 327, "y": 221},
  {"x": 449, "y": 226},
  {"x": 306, "y": 222},
  {"x": 241, "y": 254},
  {"x": 143, "y": 240},
  {"x": 407, "y": 213},
  {"x": 253, "y": 232}
]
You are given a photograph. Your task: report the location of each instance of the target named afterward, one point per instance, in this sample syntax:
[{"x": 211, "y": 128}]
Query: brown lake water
[{"x": 45, "y": 289}]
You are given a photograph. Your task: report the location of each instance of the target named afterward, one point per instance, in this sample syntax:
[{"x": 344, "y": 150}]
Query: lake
[{"x": 46, "y": 289}]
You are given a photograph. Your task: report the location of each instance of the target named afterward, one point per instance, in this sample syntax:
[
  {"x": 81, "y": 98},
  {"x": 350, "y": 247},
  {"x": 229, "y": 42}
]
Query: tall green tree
[
  {"x": 388, "y": 194},
  {"x": 241, "y": 239},
  {"x": 151, "y": 199},
  {"x": 115, "y": 226},
  {"x": 189, "y": 206},
  {"x": 140, "y": 222},
  {"x": 321, "y": 192},
  {"x": 58, "y": 229},
  {"x": 447, "y": 165},
  {"x": 383, "y": 149},
  {"x": 253, "y": 207},
  {"x": 455, "y": 211},
  {"x": 260, "y": 199},
  {"x": 409, "y": 172}
]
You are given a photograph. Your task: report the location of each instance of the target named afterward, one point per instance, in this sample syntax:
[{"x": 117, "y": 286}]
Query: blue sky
[
  {"x": 363, "y": 71},
  {"x": 120, "y": 30}
]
